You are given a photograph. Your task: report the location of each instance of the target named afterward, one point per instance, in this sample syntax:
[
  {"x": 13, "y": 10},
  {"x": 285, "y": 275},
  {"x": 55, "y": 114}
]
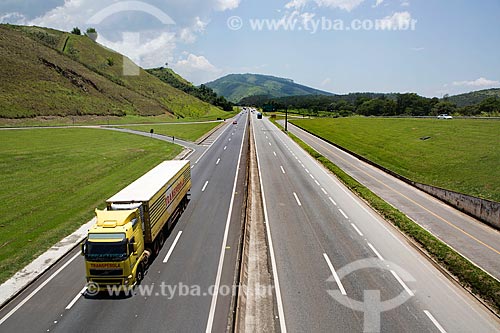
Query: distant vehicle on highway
[
  {"x": 235, "y": 122},
  {"x": 445, "y": 116},
  {"x": 259, "y": 115}
]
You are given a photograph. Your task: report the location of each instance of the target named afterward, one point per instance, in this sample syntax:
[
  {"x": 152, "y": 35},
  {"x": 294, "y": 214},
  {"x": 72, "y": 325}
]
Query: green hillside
[
  {"x": 235, "y": 87},
  {"x": 46, "y": 72},
  {"x": 474, "y": 97}
]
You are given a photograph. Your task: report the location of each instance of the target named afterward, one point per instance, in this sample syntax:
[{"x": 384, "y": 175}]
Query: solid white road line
[
  {"x": 342, "y": 212},
  {"x": 213, "y": 304},
  {"x": 307, "y": 171},
  {"x": 297, "y": 198},
  {"x": 172, "y": 247},
  {"x": 435, "y": 322},
  {"x": 282, "y": 170},
  {"x": 335, "y": 276},
  {"x": 357, "y": 230},
  {"x": 401, "y": 282},
  {"x": 204, "y": 186},
  {"x": 34, "y": 292},
  {"x": 375, "y": 251},
  {"x": 217, "y": 163},
  {"x": 77, "y": 297},
  {"x": 277, "y": 289}
]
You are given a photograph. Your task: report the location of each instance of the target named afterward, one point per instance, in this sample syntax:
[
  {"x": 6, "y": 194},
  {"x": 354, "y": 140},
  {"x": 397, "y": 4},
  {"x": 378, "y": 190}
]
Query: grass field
[
  {"x": 51, "y": 183},
  {"x": 189, "y": 132},
  {"x": 104, "y": 120},
  {"x": 460, "y": 155}
]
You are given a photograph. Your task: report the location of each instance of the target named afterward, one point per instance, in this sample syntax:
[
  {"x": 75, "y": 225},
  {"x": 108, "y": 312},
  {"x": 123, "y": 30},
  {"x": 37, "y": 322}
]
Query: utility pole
[{"x": 286, "y": 119}]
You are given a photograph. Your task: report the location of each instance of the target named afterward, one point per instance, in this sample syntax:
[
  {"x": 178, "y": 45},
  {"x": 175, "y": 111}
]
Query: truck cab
[{"x": 114, "y": 249}]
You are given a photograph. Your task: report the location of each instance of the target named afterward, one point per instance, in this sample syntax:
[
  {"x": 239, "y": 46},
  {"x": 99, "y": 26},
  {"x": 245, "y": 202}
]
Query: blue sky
[{"x": 433, "y": 47}]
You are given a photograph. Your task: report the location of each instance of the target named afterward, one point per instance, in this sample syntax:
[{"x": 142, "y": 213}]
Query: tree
[
  {"x": 443, "y": 107},
  {"x": 76, "y": 31},
  {"x": 490, "y": 105}
]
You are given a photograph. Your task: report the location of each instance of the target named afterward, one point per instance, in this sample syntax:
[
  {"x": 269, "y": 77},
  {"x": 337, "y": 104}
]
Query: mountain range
[{"x": 235, "y": 87}]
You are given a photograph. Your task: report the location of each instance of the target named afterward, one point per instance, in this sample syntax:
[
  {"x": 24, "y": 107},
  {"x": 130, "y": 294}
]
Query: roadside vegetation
[
  {"x": 459, "y": 155},
  {"x": 202, "y": 92},
  {"x": 467, "y": 274},
  {"x": 53, "y": 179},
  {"x": 485, "y": 103}
]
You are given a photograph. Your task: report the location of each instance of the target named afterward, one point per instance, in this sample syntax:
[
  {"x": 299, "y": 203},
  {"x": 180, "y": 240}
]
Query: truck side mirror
[{"x": 83, "y": 248}]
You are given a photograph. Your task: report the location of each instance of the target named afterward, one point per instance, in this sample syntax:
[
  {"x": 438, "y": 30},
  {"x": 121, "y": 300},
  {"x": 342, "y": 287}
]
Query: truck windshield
[{"x": 97, "y": 251}]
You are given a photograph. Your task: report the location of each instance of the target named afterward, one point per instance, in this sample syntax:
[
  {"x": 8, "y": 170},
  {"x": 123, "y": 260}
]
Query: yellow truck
[{"x": 133, "y": 227}]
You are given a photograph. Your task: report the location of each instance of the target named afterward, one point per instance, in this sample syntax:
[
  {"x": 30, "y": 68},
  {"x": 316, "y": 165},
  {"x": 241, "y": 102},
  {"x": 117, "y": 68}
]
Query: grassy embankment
[
  {"x": 66, "y": 78},
  {"x": 189, "y": 132},
  {"x": 469, "y": 275},
  {"x": 460, "y": 155},
  {"x": 51, "y": 183}
]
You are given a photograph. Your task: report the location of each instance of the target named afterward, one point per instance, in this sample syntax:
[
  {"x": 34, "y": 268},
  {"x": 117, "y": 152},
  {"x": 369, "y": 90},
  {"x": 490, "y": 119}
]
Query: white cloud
[
  {"x": 397, "y": 21},
  {"x": 378, "y": 3},
  {"x": 158, "y": 43},
  {"x": 189, "y": 34},
  {"x": 151, "y": 53},
  {"x": 417, "y": 49},
  {"x": 197, "y": 69},
  {"x": 222, "y": 5},
  {"x": 296, "y": 4},
  {"x": 479, "y": 83},
  {"x": 405, "y": 3},
  {"x": 347, "y": 5},
  {"x": 13, "y": 18}
]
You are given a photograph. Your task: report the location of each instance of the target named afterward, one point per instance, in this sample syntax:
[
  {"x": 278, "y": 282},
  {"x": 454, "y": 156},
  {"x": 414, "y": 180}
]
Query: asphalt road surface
[
  {"x": 177, "y": 293},
  {"x": 338, "y": 266}
]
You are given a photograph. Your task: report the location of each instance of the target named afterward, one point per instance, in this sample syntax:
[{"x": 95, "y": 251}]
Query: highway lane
[
  {"x": 319, "y": 228},
  {"x": 195, "y": 262},
  {"x": 473, "y": 239}
]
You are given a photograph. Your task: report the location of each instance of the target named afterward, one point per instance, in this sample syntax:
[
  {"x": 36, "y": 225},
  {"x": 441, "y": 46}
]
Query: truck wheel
[
  {"x": 156, "y": 247},
  {"x": 161, "y": 239}
]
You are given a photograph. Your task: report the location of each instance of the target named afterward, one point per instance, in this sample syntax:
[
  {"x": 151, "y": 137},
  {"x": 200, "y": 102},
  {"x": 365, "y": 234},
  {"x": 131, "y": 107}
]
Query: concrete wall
[{"x": 484, "y": 210}]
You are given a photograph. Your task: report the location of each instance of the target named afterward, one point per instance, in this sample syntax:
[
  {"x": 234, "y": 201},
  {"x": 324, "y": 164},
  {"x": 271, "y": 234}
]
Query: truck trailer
[{"x": 134, "y": 225}]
